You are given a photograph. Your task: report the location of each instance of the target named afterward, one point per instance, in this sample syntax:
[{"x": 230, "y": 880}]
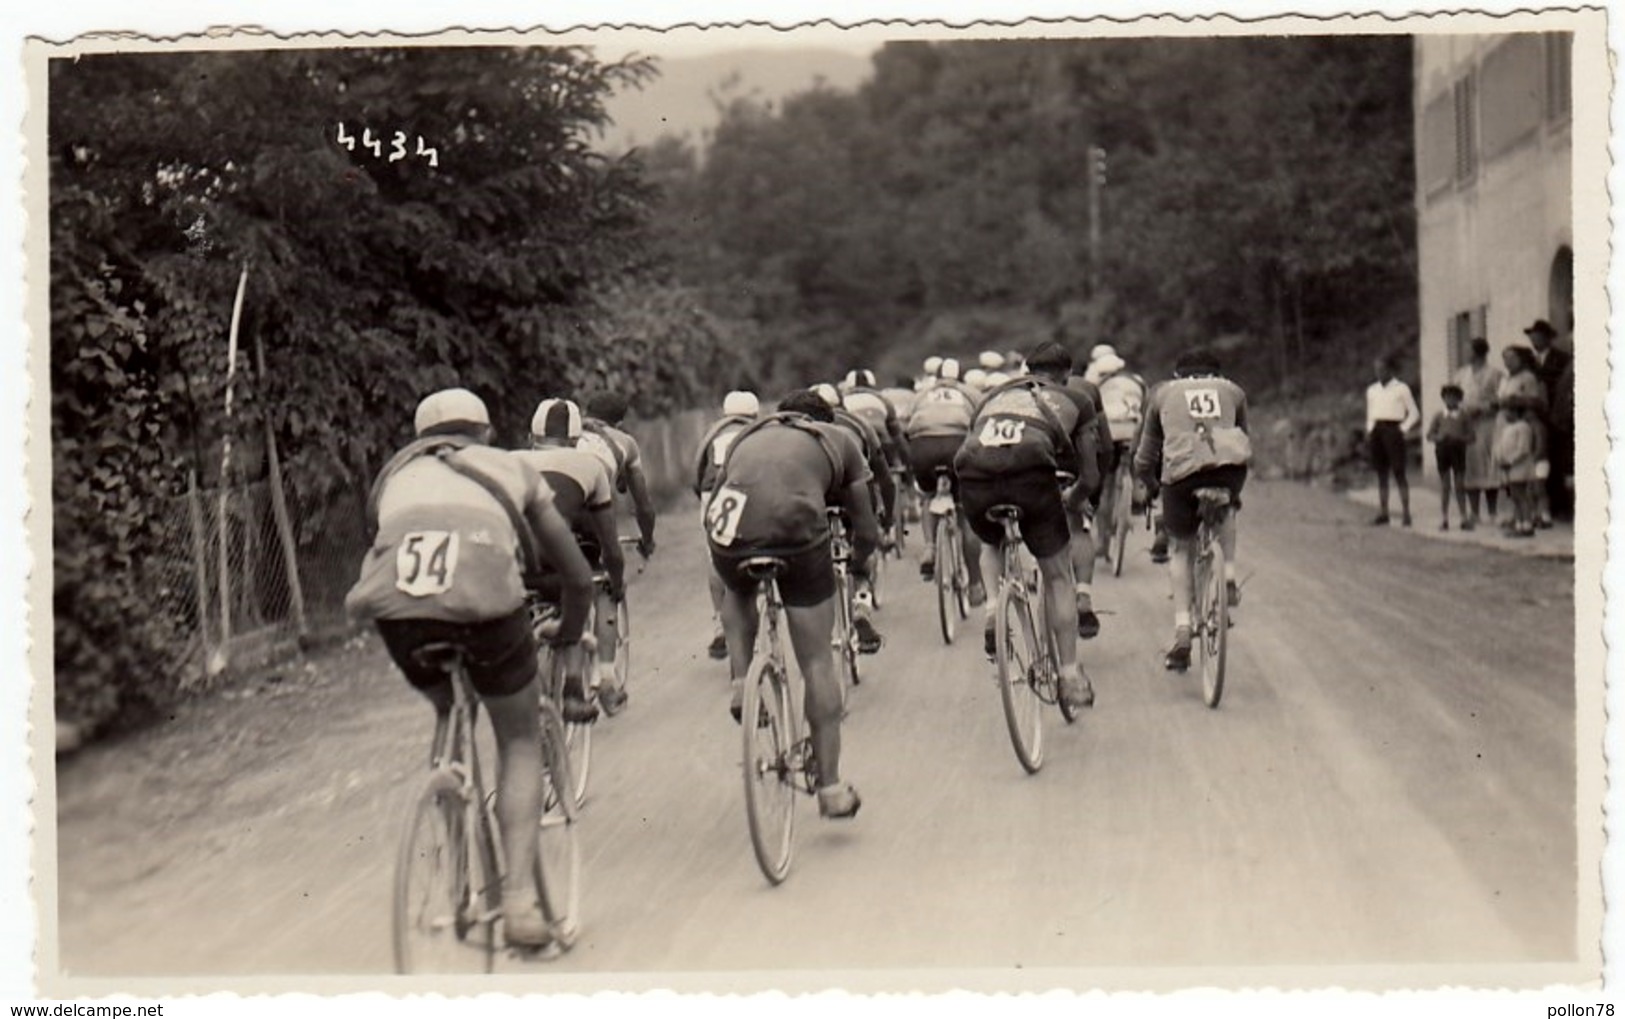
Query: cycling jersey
[
  {"x": 902, "y": 402},
  {"x": 714, "y": 451},
  {"x": 778, "y": 477},
  {"x": 446, "y": 549},
  {"x": 577, "y": 479},
  {"x": 879, "y": 415},
  {"x": 944, "y": 409},
  {"x": 1011, "y": 433},
  {"x": 1194, "y": 424},
  {"x": 1123, "y": 396},
  {"x": 617, "y": 449}
]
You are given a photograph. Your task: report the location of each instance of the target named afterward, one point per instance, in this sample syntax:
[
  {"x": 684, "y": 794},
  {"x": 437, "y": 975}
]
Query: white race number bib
[
  {"x": 722, "y": 515},
  {"x": 1203, "y": 404},
  {"x": 426, "y": 563},
  {"x": 1002, "y": 432}
]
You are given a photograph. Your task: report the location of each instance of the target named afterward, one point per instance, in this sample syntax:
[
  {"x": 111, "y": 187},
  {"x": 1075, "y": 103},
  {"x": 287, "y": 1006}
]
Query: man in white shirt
[{"x": 1390, "y": 413}]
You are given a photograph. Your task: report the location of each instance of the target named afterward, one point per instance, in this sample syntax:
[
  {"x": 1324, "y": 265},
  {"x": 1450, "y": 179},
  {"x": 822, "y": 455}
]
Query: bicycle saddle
[
  {"x": 1002, "y": 512},
  {"x": 762, "y": 567},
  {"x": 1213, "y": 496},
  {"x": 444, "y": 656}
]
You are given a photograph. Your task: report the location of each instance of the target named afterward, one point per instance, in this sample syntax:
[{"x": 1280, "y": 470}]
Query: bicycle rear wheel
[
  {"x": 1019, "y": 657},
  {"x": 446, "y": 886},
  {"x": 961, "y": 577},
  {"x": 766, "y": 725},
  {"x": 947, "y": 569},
  {"x": 558, "y": 857},
  {"x": 1213, "y": 618}
]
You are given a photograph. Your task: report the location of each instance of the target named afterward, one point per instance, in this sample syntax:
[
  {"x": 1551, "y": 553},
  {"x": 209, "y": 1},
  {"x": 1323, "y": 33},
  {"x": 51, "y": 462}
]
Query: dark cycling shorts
[
  {"x": 1179, "y": 499},
  {"x": 808, "y": 578},
  {"x": 927, "y": 453},
  {"x": 1037, "y": 494},
  {"x": 500, "y": 654},
  {"x": 1387, "y": 448}
]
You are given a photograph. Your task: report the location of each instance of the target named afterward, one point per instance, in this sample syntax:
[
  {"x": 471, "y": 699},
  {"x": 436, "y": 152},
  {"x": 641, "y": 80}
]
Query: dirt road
[{"x": 1390, "y": 780}]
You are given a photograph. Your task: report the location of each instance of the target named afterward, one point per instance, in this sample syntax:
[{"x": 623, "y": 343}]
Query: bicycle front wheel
[
  {"x": 1019, "y": 656},
  {"x": 1121, "y": 520},
  {"x": 558, "y": 857},
  {"x": 446, "y": 886},
  {"x": 767, "y": 727},
  {"x": 947, "y": 569},
  {"x": 1213, "y": 615}
]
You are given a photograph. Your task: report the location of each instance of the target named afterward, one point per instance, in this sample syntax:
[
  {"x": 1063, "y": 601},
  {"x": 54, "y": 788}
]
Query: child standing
[
  {"x": 1515, "y": 456},
  {"x": 1452, "y": 432}
]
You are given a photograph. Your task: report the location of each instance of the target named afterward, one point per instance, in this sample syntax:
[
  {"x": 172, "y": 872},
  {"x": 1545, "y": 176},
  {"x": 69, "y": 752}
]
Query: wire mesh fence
[{"x": 247, "y": 575}]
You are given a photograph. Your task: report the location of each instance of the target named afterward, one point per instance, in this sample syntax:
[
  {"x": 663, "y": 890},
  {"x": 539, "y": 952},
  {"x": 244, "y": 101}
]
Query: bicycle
[
  {"x": 952, "y": 575},
  {"x": 843, "y": 639},
  {"x": 778, "y": 758},
  {"x": 906, "y": 509},
  {"x": 1210, "y": 598},
  {"x": 1029, "y": 670},
  {"x": 450, "y": 867}
]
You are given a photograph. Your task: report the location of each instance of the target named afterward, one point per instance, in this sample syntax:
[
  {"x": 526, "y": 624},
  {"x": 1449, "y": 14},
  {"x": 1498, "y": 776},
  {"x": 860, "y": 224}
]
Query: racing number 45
[{"x": 426, "y": 562}]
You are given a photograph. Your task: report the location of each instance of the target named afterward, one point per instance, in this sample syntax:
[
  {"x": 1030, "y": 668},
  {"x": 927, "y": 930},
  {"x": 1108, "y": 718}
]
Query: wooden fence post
[
  {"x": 284, "y": 527},
  {"x": 200, "y": 567}
]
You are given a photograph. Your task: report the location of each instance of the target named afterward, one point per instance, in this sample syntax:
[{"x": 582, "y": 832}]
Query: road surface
[{"x": 1390, "y": 779}]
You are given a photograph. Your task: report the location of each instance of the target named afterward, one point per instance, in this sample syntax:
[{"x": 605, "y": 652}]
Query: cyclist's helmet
[
  {"x": 976, "y": 378},
  {"x": 741, "y": 403},
  {"x": 990, "y": 360},
  {"x": 1101, "y": 350},
  {"x": 450, "y": 410},
  {"x": 556, "y": 419},
  {"x": 932, "y": 365},
  {"x": 826, "y": 392},
  {"x": 948, "y": 369}
]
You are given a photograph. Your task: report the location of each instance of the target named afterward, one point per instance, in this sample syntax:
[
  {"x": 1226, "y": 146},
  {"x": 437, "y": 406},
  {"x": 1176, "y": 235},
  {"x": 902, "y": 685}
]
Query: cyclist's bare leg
[
  {"x": 929, "y": 519},
  {"x": 973, "y": 556},
  {"x": 1108, "y": 503},
  {"x": 516, "y": 720},
  {"x": 1227, "y": 541},
  {"x": 714, "y": 584},
  {"x": 1060, "y": 617},
  {"x": 810, "y": 629},
  {"x": 1180, "y": 551},
  {"x": 739, "y": 626},
  {"x": 607, "y": 633},
  {"x": 1080, "y": 596},
  {"x": 993, "y": 570}
]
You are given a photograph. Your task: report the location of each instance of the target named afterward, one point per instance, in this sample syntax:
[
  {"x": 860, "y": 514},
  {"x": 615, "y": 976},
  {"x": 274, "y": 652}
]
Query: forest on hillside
[{"x": 1257, "y": 195}]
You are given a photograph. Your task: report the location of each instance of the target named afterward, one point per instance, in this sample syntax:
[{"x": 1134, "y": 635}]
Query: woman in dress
[{"x": 1480, "y": 381}]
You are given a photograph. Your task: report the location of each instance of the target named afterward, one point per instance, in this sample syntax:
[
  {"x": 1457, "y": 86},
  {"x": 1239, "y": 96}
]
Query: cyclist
[
  {"x": 1122, "y": 393},
  {"x": 901, "y": 395},
  {"x": 1145, "y": 495},
  {"x": 860, "y": 397},
  {"x": 1098, "y": 450},
  {"x": 976, "y": 382},
  {"x": 1195, "y": 437},
  {"x": 1022, "y": 435},
  {"x": 936, "y": 429},
  {"x": 770, "y": 499},
  {"x": 585, "y": 497},
  {"x": 882, "y": 493},
  {"x": 739, "y": 408},
  {"x": 602, "y": 436},
  {"x": 455, "y": 517}
]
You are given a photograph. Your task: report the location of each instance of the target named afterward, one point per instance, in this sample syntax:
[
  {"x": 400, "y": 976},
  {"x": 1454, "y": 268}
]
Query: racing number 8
[
  {"x": 1203, "y": 404},
  {"x": 722, "y": 515},
  {"x": 426, "y": 562}
]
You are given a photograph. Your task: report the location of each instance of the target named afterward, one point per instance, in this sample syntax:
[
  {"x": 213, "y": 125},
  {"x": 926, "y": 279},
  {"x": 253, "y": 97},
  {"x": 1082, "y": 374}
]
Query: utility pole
[{"x": 1097, "y": 185}]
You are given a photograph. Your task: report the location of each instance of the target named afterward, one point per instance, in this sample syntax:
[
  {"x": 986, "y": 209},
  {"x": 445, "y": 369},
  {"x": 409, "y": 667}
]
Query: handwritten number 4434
[{"x": 397, "y": 145}]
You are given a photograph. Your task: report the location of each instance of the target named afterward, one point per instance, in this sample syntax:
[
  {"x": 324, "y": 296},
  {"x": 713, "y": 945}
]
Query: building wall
[{"x": 1489, "y": 229}]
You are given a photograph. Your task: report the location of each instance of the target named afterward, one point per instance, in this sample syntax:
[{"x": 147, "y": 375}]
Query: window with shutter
[{"x": 1466, "y": 100}]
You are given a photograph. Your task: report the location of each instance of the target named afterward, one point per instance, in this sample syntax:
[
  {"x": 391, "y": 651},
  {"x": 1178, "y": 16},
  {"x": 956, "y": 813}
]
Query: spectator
[
  {"x": 1479, "y": 381},
  {"x": 1452, "y": 433},
  {"x": 1516, "y": 454},
  {"x": 1551, "y": 364},
  {"x": 1390, "y": 412},
  {"x": 1521, "y": 390}
]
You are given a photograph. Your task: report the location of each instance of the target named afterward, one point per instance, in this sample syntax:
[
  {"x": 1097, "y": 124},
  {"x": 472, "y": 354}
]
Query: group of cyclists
[{"x": 468, "y": 535}]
